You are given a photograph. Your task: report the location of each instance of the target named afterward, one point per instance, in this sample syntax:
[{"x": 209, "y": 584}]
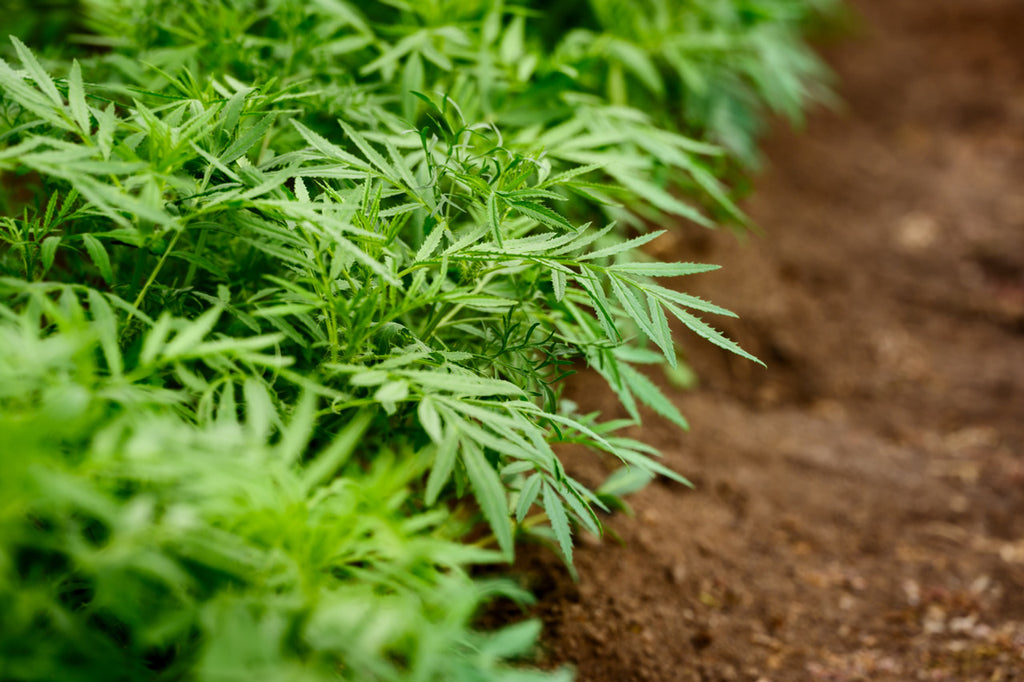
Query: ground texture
[{"x": 859, "y": 509}]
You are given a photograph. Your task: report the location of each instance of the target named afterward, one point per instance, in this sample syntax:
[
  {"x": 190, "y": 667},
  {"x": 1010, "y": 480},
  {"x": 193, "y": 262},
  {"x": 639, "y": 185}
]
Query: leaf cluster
[
  {"x": 145, "y": 539},
  {"x": 638, "y": 88},
  {"x": 288, "y": 292}
]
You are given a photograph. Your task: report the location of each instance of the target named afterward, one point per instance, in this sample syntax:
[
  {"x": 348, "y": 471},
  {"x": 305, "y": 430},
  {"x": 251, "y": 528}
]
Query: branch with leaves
[{"x": 285, "y": 331}]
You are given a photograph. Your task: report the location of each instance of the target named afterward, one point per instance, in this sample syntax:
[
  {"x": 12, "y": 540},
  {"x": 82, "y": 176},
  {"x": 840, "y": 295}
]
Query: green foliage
[
  {"x": 287, "y": 295},
  {"x": 141, "y": 544},
  {"x": 723, "y": 61},
  {"x": 637, "y": 88}
]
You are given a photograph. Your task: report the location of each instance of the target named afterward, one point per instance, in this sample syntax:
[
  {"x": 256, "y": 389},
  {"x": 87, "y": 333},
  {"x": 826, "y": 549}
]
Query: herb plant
[{"x": 288, "y": 293}]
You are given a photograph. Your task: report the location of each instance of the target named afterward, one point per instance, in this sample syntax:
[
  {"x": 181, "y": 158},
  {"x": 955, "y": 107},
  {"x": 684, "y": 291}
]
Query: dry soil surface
[{"x": 859, "y": 505}]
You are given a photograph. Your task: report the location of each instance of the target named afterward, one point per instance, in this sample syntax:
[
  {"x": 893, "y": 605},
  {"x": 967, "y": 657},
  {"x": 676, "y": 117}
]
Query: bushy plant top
[{"x": 287, "y": 295}]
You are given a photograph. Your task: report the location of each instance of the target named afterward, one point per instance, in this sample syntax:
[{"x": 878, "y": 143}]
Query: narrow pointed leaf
[
  {"x": 76, "y": 99},
  {"x": 707, "y": 332},
  {"x": 98, "y": 255},
  {"x": 558, "y": 283},
  {"x": 185, "y": 340},
  {"x": 38, "y": 73},
  {"x": 326, "y": 464},
  {"x": 663, "y": 269},
  {"x": 444, "y": 464},
  {"x": 542, "y": 214},
  {"x": 527, "y": 496},
  {"x": 559, "y": 521},
  {"x": 489, "y": 494},
  {"x": 649, "y": 394}
]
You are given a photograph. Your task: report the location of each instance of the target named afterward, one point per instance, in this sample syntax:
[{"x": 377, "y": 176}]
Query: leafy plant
[
  {"x": 287, "y": 296},
  {"x": 143, "y": 543},
  {"x": 637, "y": 88}
]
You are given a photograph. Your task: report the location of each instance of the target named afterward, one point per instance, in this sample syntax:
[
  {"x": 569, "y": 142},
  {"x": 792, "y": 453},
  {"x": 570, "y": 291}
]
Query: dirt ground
[{"x": 859, "y": 511}]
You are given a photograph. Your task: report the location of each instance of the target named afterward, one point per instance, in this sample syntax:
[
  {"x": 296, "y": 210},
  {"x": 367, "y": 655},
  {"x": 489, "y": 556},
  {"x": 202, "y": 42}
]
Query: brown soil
[{"x": 859, "y": 511}]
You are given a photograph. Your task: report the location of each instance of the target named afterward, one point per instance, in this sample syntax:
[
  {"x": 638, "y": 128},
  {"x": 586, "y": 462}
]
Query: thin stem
[{"x": 151, "y": 279}]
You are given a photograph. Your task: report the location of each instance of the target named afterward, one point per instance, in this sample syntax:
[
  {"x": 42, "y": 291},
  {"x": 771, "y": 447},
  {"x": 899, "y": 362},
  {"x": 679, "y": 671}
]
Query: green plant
[
  {"x": 284, "y": 338},
  {"x": 143, "y": 539},
  {"x": 639, "y": 89}
]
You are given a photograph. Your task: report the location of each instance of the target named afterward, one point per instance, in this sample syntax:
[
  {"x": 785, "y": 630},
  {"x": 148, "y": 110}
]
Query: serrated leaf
[
  {"x": 106, "y": 121},
  {"x": 568, "y": 175},
  {"x": 154, "y": 341},
  {"x": 444, "y": 464},
  {"x": 301, "y": 193},
  {"x": 527, "y": 496},
  {"x": 367, "y": 260},
  {"x": 76, "y": 99},
  {"x": 585, "y": 495},
  {"x": 100, "y": 258},
  {"x": 707, "y": 332},
  {"x": 663, "y": 269},
  {"x": 248, "y": 139},
  {"x": 633, "y": 309},
  {"x": 686, "y": 300},
  {"x": 583, "y": 512},
  {"x": 489, "y": 494},
  {"x": 31, "y": 99},
  {"x": 189, "y": 337},
  {"x": 516, "y": 468},
  {"x": 391, "y": 393},
  {"x": 460, "y": 384},
  {"x": 531, "y": 193},
  {"x": 327, "y": 148},
  {"x": 112, "y": 201},
  {"x": 512, "y": 641},
  {"x": 630, "y": 456},
  {"x": 649, "y": 394},
  {"x": 542, "y": 214},
  {"x": 559, "y": 521},
  {"x": 326, "y": 464},
  {"x": 401, "y": 166},
  {"x": 660, "y": 322},
  {"x": 38, "y": 73},
  {"x": 558, "y": 282},
  {"x": 371, "y": 154},
  {"x": 600, "y": 303},
  {"x": 47, "y": 252},
  {"x": 260, "y": 415},
  {"x": 627, "y": 245},
  {"x": 105, "y": 324},
  {"x": 430, "y": 243},
  {"x": 585, "y": 237},
  {"x": 429, "y": 418},
  {"x": 493, "y": 217},
  {"x": 625, "y": 481},
  {"x": 493, "y": 418},
  {"x": 650, "y": 318},
  {"x": 232, "y": 111}
]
